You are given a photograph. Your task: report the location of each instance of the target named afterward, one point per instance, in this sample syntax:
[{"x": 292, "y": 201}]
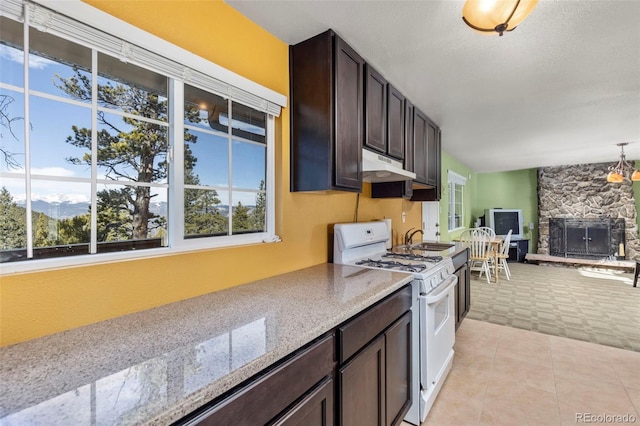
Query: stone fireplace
[{"x": 582, "y": 216}]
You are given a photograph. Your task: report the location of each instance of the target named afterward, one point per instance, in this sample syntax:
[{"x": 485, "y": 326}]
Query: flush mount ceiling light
[
  {"x": 623, "y": 169},
  {"x": 496, "y": 16}
]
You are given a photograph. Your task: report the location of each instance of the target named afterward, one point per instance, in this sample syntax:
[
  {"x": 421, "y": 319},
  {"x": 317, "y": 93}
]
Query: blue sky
[{"x": 51, "y": 123}]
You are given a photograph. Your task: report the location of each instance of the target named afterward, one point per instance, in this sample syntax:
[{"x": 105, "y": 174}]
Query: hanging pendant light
[
  {"x": 496, "y": 16},
  {"x": 618, "y": 172}
]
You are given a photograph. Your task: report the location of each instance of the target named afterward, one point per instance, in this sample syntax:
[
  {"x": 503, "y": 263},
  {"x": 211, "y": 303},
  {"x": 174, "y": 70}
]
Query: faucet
[{"x": 408, "y": 236}]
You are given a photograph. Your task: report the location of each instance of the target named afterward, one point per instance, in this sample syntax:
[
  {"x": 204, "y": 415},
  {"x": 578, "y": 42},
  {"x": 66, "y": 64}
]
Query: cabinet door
[
  {"x": 375, "y": 110},
  {"x": 395, "y": 123},
  {"x": 362, "y": 387},
  {"x": 316, "y": 409},
  {"x": 432, "y": 153},
  {"x": 398, "y": 375},
  {"x": 348, "y": 117},
  {"x": 420, "y": 121},
  {"x": 408, "y": 143},
  {"x": 467, "y": 286},
  {"x": 463, "y": 293}
]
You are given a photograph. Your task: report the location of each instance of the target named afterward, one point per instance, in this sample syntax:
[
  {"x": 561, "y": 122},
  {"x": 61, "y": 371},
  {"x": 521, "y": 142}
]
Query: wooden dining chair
[
  {"x": 503, "y": 255},
  {"x": 480, "y": 254},
  {"x": 488, "y": 230}
]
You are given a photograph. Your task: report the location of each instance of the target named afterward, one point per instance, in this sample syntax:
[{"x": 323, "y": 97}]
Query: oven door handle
[{"x": 445, "y": 286}]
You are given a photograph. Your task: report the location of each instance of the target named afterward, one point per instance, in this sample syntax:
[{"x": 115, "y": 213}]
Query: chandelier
[
  {"x": 623, "y": 169},
  {"x": 496, "y": 16}
]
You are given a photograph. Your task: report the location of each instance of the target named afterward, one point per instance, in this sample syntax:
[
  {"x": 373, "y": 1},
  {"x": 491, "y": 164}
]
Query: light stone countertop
[{"x": 156, "y": 366}]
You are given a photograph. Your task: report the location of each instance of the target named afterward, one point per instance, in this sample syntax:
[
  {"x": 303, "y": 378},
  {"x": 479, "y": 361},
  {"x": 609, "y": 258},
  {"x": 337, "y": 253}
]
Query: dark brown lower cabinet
[
  {"x": 374, "y": 386},
  {"x": 267, "y": 398},
  {"x": 463, "y": 288},
  {"x": 316, "y": 409},
  {"x": 398, "y": 373},
  {"x": 358, "y": 374},
  {"x": 362, "y": 387}
]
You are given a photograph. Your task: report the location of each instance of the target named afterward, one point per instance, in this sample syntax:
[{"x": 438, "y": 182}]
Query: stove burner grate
[
  {"x": 412, "y": 256},
  {"x": 389, "y": 264}
]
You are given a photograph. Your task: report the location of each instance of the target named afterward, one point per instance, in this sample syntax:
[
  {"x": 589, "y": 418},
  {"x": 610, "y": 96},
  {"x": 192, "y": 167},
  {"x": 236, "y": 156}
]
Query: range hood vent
[{"x": 378, "y": 168}]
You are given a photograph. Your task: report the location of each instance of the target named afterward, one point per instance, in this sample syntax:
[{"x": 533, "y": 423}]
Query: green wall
[
  {"x": 450, "y": 163},
  {"x": 510, "y": 190}
]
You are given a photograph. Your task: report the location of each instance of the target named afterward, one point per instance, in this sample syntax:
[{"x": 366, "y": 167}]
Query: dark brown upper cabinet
[
  {"x": 420, "y": 150},
  {"x": 375, "y": 110},
  {"x": 395, "y": 123},
  {"x": 433, "y": 153},
  {"x": 408, "y": 147},
  {"x": 327, "y": 120},
  {"x": 428, "y": 189}
]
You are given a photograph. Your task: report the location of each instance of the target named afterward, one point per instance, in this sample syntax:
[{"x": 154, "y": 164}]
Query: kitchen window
[
  {"x": 456, "y": 200},
  {"x": 127, "y": 153}
]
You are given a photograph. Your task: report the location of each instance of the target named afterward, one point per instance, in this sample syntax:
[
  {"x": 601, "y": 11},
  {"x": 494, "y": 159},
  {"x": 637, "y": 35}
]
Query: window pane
[
  {"x": 248, "y": 212},
  {"x": 203, "y": 109},
  {"x": 13, "y": 229},
  {"x": 60, "y": 138},
  {"x": 204, "y": 214},
  {"x": 129, "y": 88},
  {"x": 11, "y": 130},
  {"x": 131, "y": 150},
  {"x": 131, "y": 217},
  {"x": 59, "y": 67},
  {"x": 206, "y": 159},
  {"x": 247, "y": 123},
  {"x": 249, "y": 164},
  {"x": 11, "y": 52},
  {"x": 61, "y": 218}
]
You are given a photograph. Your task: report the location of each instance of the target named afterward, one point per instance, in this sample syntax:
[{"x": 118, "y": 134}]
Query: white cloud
[
  {"x": 53, "y": 171},
  {"x": 15, "y": 55}
]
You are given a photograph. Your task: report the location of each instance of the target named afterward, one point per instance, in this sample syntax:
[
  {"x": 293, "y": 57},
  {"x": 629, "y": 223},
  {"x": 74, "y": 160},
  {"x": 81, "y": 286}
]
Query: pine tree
[
  {"x": 241, "y": 220},
  {"x": 259, "y": 212},
  {"x": 42, "y": 231},
  {"x": 13, "y": 220}
]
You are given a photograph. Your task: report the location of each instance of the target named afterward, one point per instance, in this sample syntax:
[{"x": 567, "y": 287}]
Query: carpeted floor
[{"x": 598, "y": 306}]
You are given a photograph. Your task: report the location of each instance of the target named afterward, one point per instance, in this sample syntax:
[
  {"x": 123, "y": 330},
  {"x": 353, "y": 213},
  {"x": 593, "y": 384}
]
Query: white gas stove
[{"x": 433, "y": 313}]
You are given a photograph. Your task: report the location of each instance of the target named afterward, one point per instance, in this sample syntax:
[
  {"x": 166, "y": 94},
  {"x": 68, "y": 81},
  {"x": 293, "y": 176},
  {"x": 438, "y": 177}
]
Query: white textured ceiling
[{"x": 563, "y": 88}]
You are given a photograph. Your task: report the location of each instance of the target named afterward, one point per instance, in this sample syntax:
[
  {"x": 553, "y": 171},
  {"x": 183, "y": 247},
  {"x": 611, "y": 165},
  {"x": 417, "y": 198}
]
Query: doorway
[{"x": 431, "y": 220}]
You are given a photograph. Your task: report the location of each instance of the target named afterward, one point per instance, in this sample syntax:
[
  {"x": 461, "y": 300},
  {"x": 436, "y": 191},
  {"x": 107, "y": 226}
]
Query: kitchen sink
[{"x": 432, "y": 246}]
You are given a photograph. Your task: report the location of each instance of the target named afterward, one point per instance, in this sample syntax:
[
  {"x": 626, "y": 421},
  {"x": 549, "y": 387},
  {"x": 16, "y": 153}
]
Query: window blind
[{"x": 47, "y": 20}]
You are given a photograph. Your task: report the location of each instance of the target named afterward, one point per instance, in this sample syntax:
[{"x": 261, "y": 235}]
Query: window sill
[{"x": 43, "y": 265}]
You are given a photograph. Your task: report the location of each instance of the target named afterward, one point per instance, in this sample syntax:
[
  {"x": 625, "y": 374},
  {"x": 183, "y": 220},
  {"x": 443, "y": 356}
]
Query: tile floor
[{"x": 508, "y": 376}]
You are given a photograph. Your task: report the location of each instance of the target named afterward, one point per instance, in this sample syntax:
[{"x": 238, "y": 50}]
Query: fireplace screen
[{"x": 585, "y": 238}]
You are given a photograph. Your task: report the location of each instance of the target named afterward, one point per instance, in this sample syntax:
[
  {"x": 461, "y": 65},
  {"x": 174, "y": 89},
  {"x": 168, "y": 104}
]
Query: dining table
[{"x": 495, "y": 247}]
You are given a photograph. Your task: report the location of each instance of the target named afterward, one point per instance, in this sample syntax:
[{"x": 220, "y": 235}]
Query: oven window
[{"x": 441, "y": 313}]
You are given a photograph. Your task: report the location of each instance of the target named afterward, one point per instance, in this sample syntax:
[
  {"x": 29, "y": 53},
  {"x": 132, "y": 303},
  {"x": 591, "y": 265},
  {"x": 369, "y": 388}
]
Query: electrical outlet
[{"x": 404, "y": 217}]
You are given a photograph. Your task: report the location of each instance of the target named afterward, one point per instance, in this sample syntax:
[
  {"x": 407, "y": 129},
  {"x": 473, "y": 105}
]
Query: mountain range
[{"x": 67, "y": 209}]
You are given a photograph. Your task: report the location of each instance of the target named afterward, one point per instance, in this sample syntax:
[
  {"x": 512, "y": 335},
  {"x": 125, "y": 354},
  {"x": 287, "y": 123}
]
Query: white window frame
[
  {"x": 181, "y": 67},
  {"x": 454, "y": 180}
]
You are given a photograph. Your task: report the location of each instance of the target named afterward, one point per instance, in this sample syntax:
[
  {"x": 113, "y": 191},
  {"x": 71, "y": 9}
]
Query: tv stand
[{"x": 518, "y": 249}]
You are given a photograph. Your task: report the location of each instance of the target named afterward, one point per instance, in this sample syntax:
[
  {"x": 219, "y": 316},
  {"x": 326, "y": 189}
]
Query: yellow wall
[{"x": 37, "y": 304}]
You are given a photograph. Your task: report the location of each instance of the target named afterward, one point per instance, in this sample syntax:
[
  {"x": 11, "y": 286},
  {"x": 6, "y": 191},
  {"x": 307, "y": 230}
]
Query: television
[{"x": 501, "y": 220}]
